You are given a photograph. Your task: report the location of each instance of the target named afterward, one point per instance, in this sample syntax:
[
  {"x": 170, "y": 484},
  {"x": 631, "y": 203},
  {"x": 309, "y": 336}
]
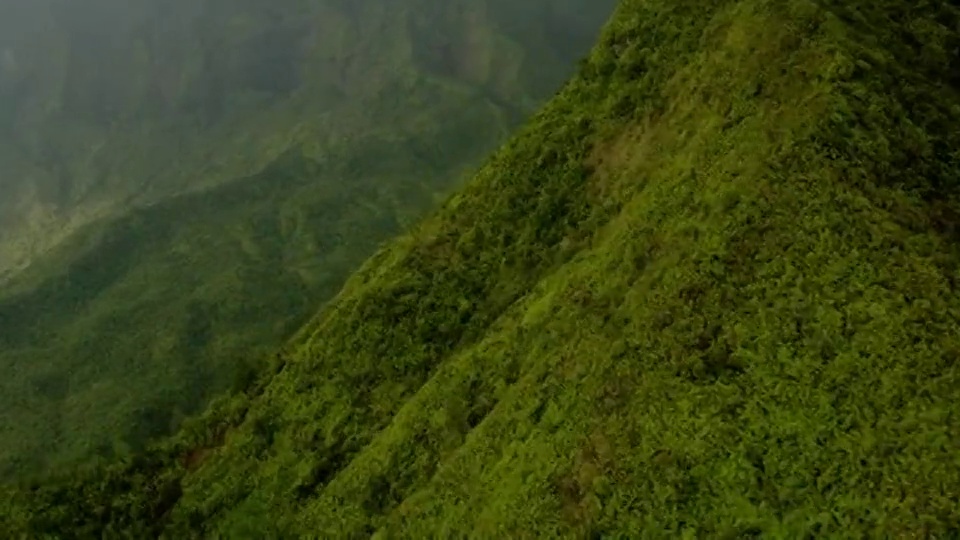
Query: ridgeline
[
  {"x": 196, "y": 226},
  {"x": 709, "y": 290}
]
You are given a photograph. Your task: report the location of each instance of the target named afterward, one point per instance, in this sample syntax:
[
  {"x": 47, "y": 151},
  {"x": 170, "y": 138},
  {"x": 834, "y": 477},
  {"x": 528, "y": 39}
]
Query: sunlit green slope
[
  {"x": 193, "y": 276},
  {"x": 709, "y": 290}
]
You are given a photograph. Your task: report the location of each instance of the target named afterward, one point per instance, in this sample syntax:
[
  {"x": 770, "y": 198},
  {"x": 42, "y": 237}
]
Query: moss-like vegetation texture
[
  {"x": 708, "y": 291},
  {"x": 224, "y": 231}
]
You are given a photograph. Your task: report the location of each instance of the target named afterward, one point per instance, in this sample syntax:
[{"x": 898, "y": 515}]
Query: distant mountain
[
  {"x": 104, "y": 103},
  {"x": 709, "y": 290},
  {"x": 189, "y": 181}
]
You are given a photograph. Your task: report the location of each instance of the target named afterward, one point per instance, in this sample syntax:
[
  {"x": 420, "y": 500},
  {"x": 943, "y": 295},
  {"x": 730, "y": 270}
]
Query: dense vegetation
[
  {"x": 709, "y": 291},
  {"x": 193, "y": 276},
  {"x": 108, "y": 102}
]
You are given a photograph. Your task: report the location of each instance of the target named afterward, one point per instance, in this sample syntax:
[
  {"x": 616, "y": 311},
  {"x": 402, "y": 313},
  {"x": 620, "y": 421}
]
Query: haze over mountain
[
  {"x": 190, "y": 180},
  {"x": 708, "y": 290},
  {"x": 104, "y": 103}
]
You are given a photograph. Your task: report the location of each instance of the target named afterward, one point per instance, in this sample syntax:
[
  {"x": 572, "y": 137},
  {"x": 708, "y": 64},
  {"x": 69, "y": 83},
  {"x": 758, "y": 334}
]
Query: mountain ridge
[
  {"x": 144, "y": 314},
  {"x": 83, "y": 157},
  {"x": 707, "y": 290}
]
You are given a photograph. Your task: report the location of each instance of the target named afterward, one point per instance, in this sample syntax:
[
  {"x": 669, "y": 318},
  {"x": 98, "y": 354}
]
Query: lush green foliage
[
  {"x": 139, "y": 319},
  {"x": 708, "y": 291}
]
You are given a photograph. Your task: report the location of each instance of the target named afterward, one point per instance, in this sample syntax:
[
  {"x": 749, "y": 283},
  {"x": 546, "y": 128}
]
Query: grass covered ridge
[
  {"x": 709, "y": 290},
  {"x": 139, "y": 319}
]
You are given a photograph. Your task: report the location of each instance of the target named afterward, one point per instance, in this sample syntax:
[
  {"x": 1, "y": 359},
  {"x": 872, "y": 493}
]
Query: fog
[{"x": 115, "y": 100}]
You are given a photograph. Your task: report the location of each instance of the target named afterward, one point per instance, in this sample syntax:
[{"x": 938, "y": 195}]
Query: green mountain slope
[
  {"x": 193, "y": 275},
  {"x": 106, "y": 103},
  {"x": 709, "y": 290}
]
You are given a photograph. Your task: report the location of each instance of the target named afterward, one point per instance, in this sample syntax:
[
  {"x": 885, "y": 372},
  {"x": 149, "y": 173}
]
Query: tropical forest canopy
[
  {"x": 708, "y": 290},
  {"x": 184, "y": 183}
]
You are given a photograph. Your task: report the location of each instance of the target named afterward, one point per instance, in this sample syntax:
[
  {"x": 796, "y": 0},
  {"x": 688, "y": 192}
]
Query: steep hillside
[
  {"x": 193, "y": 274},
  {"x": 108, "y": 103},
  {"x": 708, "y": 291}
]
